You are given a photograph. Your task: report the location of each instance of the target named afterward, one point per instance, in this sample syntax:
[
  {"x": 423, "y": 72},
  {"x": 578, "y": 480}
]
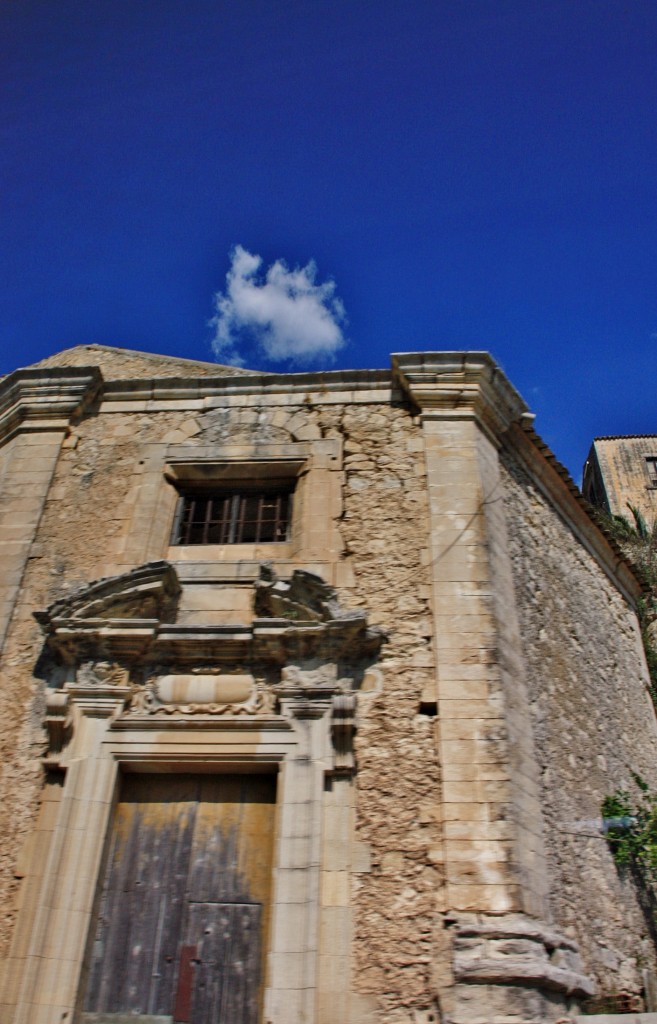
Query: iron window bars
[{"x": 232, "y": 517}]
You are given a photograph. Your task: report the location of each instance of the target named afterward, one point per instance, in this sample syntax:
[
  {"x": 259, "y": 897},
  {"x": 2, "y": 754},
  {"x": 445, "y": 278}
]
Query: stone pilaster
[
  {"x": 495, "y": 865},
  {"x": 36, "y": 408},
  {"x": 48, "y": 947}
]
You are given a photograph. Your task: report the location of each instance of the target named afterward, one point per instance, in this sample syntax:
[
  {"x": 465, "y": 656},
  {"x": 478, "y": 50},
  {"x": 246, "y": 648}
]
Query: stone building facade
[
  {"x": 312, "y": 688},
  {"x": 621, "y": 471}
]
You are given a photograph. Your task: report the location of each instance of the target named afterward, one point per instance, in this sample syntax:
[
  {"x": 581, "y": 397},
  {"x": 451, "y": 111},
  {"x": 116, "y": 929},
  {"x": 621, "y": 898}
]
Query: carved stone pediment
[
  {"x": 131, "y": 618},
  {"x": 302, "y": 619},
  {"x": 125, "y": 656},
  {"x": 305, "y": 597},
  {"x": 147, "y": 592}
]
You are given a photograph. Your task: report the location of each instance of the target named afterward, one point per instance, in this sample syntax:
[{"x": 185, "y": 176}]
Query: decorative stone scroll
[
  {"x": 294, "y": 678},
  {"x": 101, "y": 674}
]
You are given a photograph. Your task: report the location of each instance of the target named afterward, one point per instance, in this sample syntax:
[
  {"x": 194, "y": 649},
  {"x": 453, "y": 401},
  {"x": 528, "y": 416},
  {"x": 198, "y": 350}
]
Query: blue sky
[{"x": 469, "y": 173}]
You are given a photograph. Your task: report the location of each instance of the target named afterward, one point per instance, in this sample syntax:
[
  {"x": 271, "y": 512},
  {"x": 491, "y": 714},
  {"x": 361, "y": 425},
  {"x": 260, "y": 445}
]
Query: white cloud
[{"x": 287, "y": 312}]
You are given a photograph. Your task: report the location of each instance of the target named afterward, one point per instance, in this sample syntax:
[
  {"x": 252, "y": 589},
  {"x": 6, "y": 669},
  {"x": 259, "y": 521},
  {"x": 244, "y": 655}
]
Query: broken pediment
[
  {"x": 311, "y": 620},
  {"x": 147, "y": 592},
  {"x": 125, "y": 655},
  {"x": 133, "y": 617},
  {"x": 306, "y": 597}
]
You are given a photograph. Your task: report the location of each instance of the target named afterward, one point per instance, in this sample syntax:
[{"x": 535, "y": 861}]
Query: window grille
[
  {"x": 233, "y": 517},
  {"x": 651, "y": 465}
]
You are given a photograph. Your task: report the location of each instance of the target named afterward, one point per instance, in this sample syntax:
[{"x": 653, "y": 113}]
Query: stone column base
[{"x": 513, "y": 968}]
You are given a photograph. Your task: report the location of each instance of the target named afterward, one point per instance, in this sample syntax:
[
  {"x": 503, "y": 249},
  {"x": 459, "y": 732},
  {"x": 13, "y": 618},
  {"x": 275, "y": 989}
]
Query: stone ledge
[
  {"x": 515, "y": 927},
  {"x": 457, "y": 385}
]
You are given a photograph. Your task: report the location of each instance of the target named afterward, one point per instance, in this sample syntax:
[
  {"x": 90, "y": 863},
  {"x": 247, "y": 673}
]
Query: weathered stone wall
[
  {"x": 90, "y": 507},
  {"x": 624, "y": 474},
  {"x": 367, "y": 528},
  {"x": 593, "y": 726},
  {"x": 384, "y": 528}
]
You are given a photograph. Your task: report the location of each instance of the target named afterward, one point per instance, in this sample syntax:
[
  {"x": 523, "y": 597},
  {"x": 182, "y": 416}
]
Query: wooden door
[{"x": 184, "y": 906}]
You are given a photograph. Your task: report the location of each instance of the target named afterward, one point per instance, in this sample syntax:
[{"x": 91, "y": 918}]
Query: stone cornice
[
  {"x": 194, "y": 388},
  {"x": 271, "y": 641},
  {"x": 460, "y": 385},
  {"x": 36, "y": 399}
]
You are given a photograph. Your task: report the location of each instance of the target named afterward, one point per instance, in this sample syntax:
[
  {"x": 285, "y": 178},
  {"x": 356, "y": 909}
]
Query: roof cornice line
[
  {"x": 180, "y": 388},
  {"x": 470, "y": 385}
]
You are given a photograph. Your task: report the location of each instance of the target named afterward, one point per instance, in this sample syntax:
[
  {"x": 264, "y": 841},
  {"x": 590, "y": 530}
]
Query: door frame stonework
[{"x": 107, "y": 713}]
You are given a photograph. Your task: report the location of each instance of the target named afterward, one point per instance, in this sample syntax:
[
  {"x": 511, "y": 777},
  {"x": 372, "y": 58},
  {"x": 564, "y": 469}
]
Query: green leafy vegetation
[
  {"x": 631, "y": 829},
  {"x": 638, "y": 541}
]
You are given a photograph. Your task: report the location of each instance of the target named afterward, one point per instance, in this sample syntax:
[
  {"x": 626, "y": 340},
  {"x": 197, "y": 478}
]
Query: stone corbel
[
  {"x": 343, "y": 727},
  {"x": 304, "y": 697},
  {"x": 317, "y": 693},
  {"x": 101, "y": 688}
]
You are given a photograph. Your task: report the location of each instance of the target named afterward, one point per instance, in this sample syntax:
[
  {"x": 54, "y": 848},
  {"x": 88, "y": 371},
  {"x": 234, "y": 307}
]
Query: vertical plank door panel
[
  {"x": 134, "y": 960},
  {"x": 227, "y": 967},
  {"x": 185, "y": 904}
]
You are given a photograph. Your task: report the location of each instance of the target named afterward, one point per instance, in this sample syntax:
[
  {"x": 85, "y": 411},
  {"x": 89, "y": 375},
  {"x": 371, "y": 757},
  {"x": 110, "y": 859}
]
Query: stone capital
[{"x": 460, "y": 385}]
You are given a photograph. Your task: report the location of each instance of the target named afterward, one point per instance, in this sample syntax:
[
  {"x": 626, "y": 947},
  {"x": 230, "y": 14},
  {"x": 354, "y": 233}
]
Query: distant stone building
[
  {"x": 622, "y": 471},
  {"x": 312, "y": 686}
]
